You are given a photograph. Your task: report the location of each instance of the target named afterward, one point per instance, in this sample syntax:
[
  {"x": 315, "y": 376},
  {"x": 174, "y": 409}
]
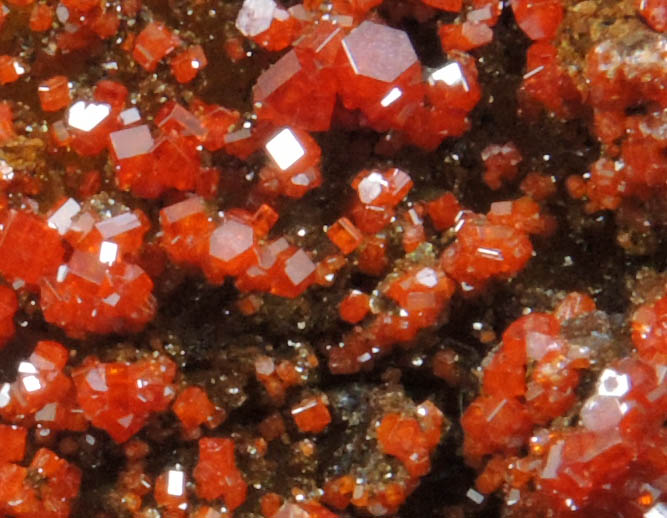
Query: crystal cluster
[
  {"x": 494, "y": 246},
  {"x": 614, "y": 452},
  {"x": 252, "y": 255}
]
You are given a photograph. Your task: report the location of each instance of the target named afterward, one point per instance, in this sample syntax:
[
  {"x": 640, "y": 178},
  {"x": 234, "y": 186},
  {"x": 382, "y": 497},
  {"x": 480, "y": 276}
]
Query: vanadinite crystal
[
  {"x": 216, "y": 473},
  {"x": 119, "y": 397},
  {"x": 333, "y": 258}
]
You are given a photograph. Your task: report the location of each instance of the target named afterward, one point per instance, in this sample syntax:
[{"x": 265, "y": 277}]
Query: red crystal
[
  {"x": 483, "y": 250},
  {"x": 372, "y": 258},
  {"x": 54, "y": 94},
  {"x": 267, "y": 24},
  {"x": 186, "y": 228},
  {"x": 354, "y": 307},
  {"x": 404, "y": 438},
  {"x": 295, "y": 158},
  {"x": 216, "y": 473},
  {"x": 501, "y": 164},
  {"x": 81, "y": 5},
  {"x": 29, "y": 249},
  {"x": 8, "y": 306},
  {"x": 105, "y": 23},
  {"x": 464, "y": 36},
  {"x": 231, "y": 248},
  {"x": 119, "y": 397},
  {"x": 311, "y": 415},
  {"x": 186, "y": 65},
  {"x": 539, "y": 19},
  {"x": 522, "y": 214},
  {"x": 546, "y": 82},
  {"x": 193, "y": 407},
  {"x": 152, "y": 44},
  {"x": 13, "y": 443},
  {"x": 454, "y": 6},
  {"x": 443, "y": 211},
  {"x": 649, "y": 330},
  {"x": 345, "y": 235},
  {"x": 6, "y": 123},
  {"x": 453, "y": 87},
  {"x": 10, "y": 69},
  {"x": 217, "y": 122},
  {"x": 494, "y": 424},
  {"x": 112, "y": 93},
  {"x": 385, "y": 87},
  {"x": 58, "y": 484},
  {"x": 299, "y": 89},
  {"x": 422, "y": 293},
  {"x": 538, "y": 186},
  {"x": 655, "y": 14}
]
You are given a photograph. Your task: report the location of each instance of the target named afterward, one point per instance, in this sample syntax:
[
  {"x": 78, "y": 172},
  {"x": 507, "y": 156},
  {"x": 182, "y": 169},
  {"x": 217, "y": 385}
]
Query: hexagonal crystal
[
  {"x": 255, "y": 17},
  {"x": 230, "y": 240},
  {"x": 379, "y": 52}
]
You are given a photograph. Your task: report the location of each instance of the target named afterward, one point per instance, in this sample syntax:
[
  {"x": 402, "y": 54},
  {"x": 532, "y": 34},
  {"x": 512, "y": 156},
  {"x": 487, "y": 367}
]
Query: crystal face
[
  {"x": 255, "y": 16},
  {"x": 277, "y": 75},
  {"x": 230, "y": 240},
  {"x": 118, "y": 225},
  {"x": 61, "y": 219},
  {"x": 299, "y": 267},
  {"x": 285, "y": 149},
  {"x": 260, "y": 231},
  {"x": 451, "y": 74},
  {"x": 132, "y": 142},
  {"x": 379, "y": 52},
  {"x": 86, "y": 117}
]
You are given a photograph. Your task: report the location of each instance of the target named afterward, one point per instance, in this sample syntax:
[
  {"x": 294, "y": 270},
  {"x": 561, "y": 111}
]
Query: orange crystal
[
  {"x": 345, "y": 235},
  {"x": 193, "y": 407},
  {"x": 446, "y": 5},
  {"x": 464, "y": 36},
  {"x": 152, "y": 44},
  {"x": 443, "y": 211},
  {"x": 539, "y": 19},
  {"x": 404, "y": 438},
  {"x": 216, "y": 473},
  {"x": 81, "y": 5},
  {"x": 119, "y": 397},
  {"x": 655, "y": 14},
  {"x": 8, "y": 307},
  {"x": 501, "y": 164},
  {"x": 311, "y": 415},
  {"x": 13, "y": 440},
  {"x": 186, "y": 65},
  {"x": 54, "y": 94},
  {"x": 10, "y": 69},
  {"x": 354, "y": 307},
  {"x": 29, "y": 249}
]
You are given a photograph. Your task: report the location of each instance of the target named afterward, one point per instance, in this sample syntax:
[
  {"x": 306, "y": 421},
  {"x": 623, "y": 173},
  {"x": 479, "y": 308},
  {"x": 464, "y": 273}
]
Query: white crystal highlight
[
  {"x": 108, "y": 252},
  {"x": 175, "y": 483},
  {"x": 86, "y": 117},
  {"x": 285, "y": 149}
]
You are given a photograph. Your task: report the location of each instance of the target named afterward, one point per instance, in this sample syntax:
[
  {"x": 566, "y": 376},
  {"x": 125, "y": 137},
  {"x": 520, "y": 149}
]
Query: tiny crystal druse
[{"x": 388, "y": 258}]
